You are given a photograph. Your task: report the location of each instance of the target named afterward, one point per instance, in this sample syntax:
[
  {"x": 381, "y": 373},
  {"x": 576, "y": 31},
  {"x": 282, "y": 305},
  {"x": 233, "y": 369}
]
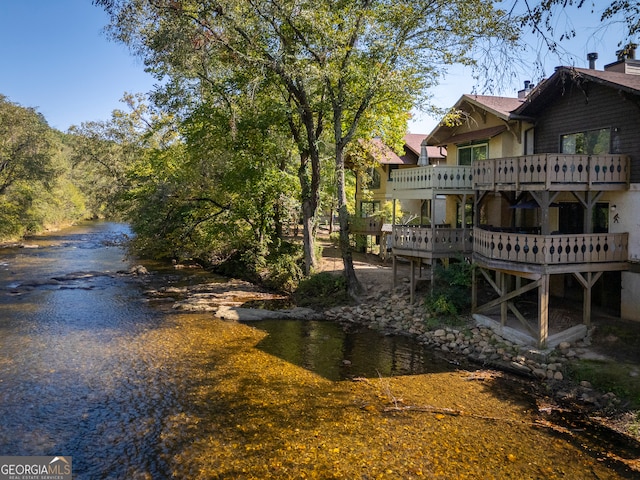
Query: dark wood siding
[{"x": 592, "y": 107}]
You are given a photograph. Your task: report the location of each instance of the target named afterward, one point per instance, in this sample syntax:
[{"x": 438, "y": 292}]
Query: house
[
  {"x": 441, "y": 192},
  {"x": 372, "y": 190},
  {"x": 556, "y": 182}
]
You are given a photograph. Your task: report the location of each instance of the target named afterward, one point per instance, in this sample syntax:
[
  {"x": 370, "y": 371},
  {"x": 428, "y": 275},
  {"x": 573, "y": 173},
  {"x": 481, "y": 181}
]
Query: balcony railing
[
  {"x": 438, "y": 177},
  {"x": 365, "y": 225},
  {"x": 428, "y": 240},
  {"x": 552, "y": 172},
  {"x": 551, "y": 249}
]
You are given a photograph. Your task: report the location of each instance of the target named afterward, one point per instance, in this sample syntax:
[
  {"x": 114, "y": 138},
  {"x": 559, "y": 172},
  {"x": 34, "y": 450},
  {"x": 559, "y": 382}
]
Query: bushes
[
  {"x": 280, "y": 268},
  {"x": 450, "y": 295},
  {"x": 322, "y": 290}
]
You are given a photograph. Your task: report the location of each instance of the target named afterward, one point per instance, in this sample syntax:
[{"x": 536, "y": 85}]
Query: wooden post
[
  {"x": 474, "y": 290},
  {"x": 412, "y": 284},
  {"x": 503, "y": 305},
  {"x": 586, "y": 300},
  {"x": 394, "y": 268},
  {"x": 543, "y": 310}
]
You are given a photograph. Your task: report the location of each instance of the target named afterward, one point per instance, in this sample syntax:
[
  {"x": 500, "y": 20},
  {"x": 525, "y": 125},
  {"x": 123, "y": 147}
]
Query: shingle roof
[
  {"x": 383, "y": 154},
  {"x": 499, "y": 106},
  {"x": 413, "y": 140},
  {"x": 545, "y": 90}
]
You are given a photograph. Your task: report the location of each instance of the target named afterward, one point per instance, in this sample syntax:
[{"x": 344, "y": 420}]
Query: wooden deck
[
  {"x": 423, "y": 182},
  {"x": 551, "y": 253},
  {"x": 425, "y": 242},
  {"x": 553, "y": 172}
]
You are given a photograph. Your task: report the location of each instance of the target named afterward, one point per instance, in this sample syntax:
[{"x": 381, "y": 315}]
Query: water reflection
[
  {"x": 325, "y": 348},
  {"x": 89, "y": 368}
]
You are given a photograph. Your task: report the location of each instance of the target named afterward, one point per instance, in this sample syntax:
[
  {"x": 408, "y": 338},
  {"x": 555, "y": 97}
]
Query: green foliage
[
  {"x": 450, "y": 295},
  {"x": 38, "y": 184},
  {"x": 322, "y": 290},
  {"x": 608, "y": 376},
  {"x": 279, "y": 268}
]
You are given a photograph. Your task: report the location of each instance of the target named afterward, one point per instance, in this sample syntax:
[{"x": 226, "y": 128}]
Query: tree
[
  {"x": 540, "y": 17},
  {"x": 25, "y": 145},
  {"x": 337, "y": 60}
]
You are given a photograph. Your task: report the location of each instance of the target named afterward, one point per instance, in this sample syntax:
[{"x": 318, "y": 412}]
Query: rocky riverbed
[{"x": 390, "y": 311}]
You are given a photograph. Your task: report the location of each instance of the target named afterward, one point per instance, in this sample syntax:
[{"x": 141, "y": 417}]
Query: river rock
[{"x": 252, "y": 314}]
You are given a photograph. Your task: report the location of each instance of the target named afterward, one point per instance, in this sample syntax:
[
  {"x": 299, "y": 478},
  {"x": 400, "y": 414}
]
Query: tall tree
[
  {"x": 25, "y": 145},
  {"x": 332, "y": 59}
]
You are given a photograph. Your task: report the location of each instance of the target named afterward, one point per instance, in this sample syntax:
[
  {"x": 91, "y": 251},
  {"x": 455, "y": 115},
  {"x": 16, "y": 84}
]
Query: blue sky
[{"x": 55, "y": 58}]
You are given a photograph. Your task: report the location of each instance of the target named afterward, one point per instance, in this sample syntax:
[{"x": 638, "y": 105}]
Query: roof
[
  {"x": 545, "y": 90},
  {"x": 501, "y": 107},
  {"x": 412, "y": 141},
  {"x": 482, "y": 134},
  {"x": 383, "y": 154}
]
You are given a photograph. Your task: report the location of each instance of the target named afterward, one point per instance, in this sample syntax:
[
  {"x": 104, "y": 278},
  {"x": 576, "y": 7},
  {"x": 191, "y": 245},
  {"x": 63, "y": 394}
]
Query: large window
[
  {"x": 471, "y": 153},
  {"x": 591, "y": 142}
]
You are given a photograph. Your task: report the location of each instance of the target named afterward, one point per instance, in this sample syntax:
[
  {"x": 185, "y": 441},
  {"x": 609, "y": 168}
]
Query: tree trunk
[
  {"x": 310, "y": 196},
  {"x": 308, "y": 238},
  {"x": 354, "y": 287}
]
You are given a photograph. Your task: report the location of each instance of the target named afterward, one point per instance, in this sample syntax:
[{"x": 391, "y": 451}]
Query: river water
[{"x": 92, "y": 367}]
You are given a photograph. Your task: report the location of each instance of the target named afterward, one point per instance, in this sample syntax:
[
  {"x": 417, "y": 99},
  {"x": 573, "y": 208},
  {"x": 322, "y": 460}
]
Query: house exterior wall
[
  {"x": 627, "y": 206},
  {"x": 599, "y": 107},
  {"x": 603, "y": 107}
]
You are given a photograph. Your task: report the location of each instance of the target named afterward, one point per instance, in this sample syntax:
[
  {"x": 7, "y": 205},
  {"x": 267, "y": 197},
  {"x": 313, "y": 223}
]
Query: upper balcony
[
  {"x": 416, "y": 182},
  {"x": 553, "y": 172}
]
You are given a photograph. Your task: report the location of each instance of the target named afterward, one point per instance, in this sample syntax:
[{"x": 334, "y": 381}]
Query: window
[
  {"x": 367, "y": 209},
  {"x": 472, "y": 153},
  {"x": 590, "y": 142}
]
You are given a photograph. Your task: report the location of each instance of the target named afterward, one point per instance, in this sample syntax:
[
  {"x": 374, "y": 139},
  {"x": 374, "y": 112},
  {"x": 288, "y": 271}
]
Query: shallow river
[{"x": 92, "y": 368}]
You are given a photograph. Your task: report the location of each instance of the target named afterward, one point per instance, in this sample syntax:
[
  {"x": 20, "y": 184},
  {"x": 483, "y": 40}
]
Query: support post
[
  {"x": 474, "y": 290},
  {"x": 586, "y": 303},
  {"x": 543, "y": 310},
  {"x": 503, "y": 305}
]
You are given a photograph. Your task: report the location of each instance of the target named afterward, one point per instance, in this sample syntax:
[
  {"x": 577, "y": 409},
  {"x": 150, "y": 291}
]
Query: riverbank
[{"x": 609, "y": 346}]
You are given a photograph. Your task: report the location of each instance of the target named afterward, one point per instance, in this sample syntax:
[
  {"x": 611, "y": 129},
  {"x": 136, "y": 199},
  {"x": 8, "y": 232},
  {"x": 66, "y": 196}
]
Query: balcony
[
  {"x": 412, "y": 182},
  {"x": 365, "y": 225},
  {"x": 426, "y": 242},
  {"x": 554, "y": 172},
  {"x": 555, "y": 253}
]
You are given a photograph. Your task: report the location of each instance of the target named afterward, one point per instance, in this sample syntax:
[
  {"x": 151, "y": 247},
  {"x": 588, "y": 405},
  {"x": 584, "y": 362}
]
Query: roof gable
[
  {"x": 555, "y": 86},
  {"x": 500, "y": 107}
]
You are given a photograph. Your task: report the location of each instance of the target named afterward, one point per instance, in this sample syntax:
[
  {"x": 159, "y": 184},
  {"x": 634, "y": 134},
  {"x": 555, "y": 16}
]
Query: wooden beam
[
  {"x": 509, "y": 296},
  {"x": 587, "y": 284},
  {"x": 503, "y": 305},
  {"x": 543, "y": 310},
  {"x": 521, "y": 317}
]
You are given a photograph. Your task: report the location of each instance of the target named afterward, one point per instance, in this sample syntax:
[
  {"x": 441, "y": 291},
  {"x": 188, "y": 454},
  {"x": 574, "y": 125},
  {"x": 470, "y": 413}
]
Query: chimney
[
  {"x": 528, "y": 86},
  {"x": 592, "y": 57},
  {"x": 626, "y": 62},
  {"x": 423, "y": 160}
]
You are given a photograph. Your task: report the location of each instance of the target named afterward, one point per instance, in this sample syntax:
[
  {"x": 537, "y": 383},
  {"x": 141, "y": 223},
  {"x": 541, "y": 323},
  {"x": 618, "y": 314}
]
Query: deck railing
[
  {"x": 552, "y": 171},
  {"x": 365, "y": 225},
  {"x": 426, "y": 239},
  {"x": 439, "y": 177},
  {"x": 551, "y": 249}
]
